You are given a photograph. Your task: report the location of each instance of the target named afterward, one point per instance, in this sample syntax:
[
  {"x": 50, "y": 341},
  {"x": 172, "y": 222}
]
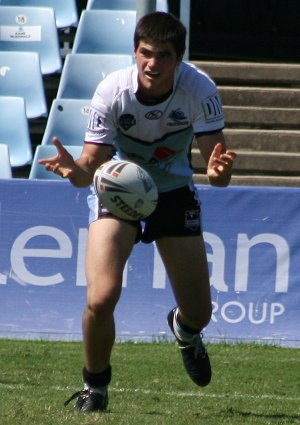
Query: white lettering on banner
[
  {"x": 19, "y": 252},
  {"x": 3, "y": 279},
  {"x": 236, "y": 312},
  {"x": 80, "y": 267},
  {"x": 242, "y": 260},
  {"x": 159, "y": 272},
  {"x": 217, "y": 259},
  {"x": 20, "y": 273}
]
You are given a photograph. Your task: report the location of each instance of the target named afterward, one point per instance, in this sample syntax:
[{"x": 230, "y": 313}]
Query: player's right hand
[{"x": 62, "y": 164}]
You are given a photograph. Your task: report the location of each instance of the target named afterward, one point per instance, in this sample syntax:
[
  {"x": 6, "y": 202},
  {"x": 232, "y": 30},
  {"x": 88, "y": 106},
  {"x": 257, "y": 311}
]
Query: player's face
[{"x": 156, "y": 65}]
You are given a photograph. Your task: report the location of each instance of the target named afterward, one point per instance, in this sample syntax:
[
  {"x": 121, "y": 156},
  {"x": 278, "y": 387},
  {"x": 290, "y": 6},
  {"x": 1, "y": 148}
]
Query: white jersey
[{"x": 157, "y": 137}]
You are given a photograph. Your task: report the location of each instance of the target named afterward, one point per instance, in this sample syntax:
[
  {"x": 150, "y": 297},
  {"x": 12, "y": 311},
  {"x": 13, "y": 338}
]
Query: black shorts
[{"x": 178, "y": 213}]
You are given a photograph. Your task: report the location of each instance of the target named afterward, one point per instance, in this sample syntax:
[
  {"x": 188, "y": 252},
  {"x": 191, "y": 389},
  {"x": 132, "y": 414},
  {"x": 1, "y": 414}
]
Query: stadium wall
[{"x": 252, "y": 236}]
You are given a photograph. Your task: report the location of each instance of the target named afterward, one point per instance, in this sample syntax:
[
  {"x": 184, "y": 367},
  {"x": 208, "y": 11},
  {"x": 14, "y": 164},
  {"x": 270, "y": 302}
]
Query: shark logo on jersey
[
  {"x": 126, "y": 121},
  {"x": 178, "y": 118},
  {"x": 213, "y": 109}
]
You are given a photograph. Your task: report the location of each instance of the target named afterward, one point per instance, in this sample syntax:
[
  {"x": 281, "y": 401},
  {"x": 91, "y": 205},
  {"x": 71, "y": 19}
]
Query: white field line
[{"x": 173, "y": 394}]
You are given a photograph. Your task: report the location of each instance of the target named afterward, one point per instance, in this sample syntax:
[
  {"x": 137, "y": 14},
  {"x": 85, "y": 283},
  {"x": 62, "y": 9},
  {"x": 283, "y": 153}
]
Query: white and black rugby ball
[{"x": 126, "y": 189}]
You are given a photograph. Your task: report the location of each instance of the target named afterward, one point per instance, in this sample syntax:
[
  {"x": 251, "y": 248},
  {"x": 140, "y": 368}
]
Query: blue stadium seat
[
  {"x": 66, "y": 14},
  {"x": 38, "y": 171},
  {"x": 14, "y": 130},
  {"x": 82, "y": 72},
  {"x": 67, "y": 120},
  {"x": 105, "y": 31},
  {"x": 20, "y": 75},
  {"x": 31, "y": 29},
  {"x": 122, "y": 4},
  {"x": 111, "y": 4},
  {"x": 5, "y": 167}
]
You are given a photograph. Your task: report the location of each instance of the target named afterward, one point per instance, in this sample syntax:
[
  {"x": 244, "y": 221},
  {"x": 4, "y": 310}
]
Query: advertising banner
[{"x": 252, "y": 237}]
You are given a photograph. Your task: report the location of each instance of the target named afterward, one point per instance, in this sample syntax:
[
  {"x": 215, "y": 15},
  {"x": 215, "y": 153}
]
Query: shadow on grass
[{"x": 263, "y": 415}]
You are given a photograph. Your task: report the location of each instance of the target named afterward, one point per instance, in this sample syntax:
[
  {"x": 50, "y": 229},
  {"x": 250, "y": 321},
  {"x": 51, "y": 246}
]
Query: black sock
[{"x": 95, "y": 380}]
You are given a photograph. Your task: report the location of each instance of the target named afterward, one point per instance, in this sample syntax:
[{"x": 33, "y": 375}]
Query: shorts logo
[
  {"x": 192, "y": 219},
  {"x": 127, "y": 121},
  {"x": 153, "y": 115}
]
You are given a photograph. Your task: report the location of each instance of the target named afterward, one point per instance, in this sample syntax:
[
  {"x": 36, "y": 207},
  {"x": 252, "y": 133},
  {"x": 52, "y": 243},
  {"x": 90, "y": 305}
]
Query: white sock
[
  {"x": 97, "y": 390},
  {"x": 180, "y": 333}
]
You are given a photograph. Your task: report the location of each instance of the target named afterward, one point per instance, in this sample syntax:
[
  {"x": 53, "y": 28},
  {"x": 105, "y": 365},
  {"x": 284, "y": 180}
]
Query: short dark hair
[{"x": 161, "y": 27}]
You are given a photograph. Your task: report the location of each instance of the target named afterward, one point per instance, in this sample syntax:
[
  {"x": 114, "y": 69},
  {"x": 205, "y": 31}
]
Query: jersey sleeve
[
  {"x": 208, "y": 115},
  {"x": 100, "y": 126}
]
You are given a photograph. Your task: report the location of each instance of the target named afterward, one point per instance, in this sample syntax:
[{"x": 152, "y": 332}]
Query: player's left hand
[{"x": 219, "y": 166}]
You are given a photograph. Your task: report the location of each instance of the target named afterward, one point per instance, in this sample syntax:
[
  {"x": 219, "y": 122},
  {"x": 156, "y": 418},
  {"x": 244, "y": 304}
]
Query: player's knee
[{"x": 101, "y": 308}]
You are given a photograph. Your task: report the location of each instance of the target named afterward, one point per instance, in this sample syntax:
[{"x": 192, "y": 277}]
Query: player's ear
[{"x": 179, "y": 59}]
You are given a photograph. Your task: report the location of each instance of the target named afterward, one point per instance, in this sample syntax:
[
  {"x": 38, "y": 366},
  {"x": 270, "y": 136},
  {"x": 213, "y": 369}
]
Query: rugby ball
[{"x": 126, "y": 189}]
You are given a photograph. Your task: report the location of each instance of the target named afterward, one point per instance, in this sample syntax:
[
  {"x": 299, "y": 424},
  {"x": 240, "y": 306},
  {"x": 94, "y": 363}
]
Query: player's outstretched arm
[
  {"x": 62, "y": 163},
  {"x": 80, "y": 172},
  {"x": 218, "y": 159},
  {"x": 219, "y": 167}
]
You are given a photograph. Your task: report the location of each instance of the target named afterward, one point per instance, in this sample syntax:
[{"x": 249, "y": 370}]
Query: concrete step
[
  {"x": 278, "y": 163},
  {"x": 255, "y": 180},
  {"x": 263, "y": 140},
  {"x": 260, "y": 96},
  {"x": 252, "y": 73},
  {"x": 259, "y": 117}
]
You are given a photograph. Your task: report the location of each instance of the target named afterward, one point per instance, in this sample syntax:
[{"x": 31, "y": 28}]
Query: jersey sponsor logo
[
  {"x": 213, "y": 110},
  {"x": 163, "y": 152},
  {"x": 178, "y": 118},
  {"x": 154, "y": 115},
  {"x": 126, "y": 121}
]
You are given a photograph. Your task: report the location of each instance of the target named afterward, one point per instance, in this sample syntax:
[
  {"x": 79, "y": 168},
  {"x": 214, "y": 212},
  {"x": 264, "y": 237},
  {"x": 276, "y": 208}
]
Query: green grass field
[{"x": 252, "y": 384}]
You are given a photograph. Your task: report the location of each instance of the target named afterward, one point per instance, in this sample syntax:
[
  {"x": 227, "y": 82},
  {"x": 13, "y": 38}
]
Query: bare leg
[
  {"x": 110, "y": 242},
  {"x": 186, "y": 264}
]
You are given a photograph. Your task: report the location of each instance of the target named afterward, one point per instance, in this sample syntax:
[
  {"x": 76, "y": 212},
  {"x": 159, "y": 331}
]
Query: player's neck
[{"x": 148, "y": 99}]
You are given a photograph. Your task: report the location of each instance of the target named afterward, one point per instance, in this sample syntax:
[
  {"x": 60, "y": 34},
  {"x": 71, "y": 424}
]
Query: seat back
[
  {"x": 14, "y": 130},
  {"x": 111, "y": 4},
  {"x": 105, "y": 31},
  {"x": 66, "y": 14},
  {"x": 31, "y": 29},
  {"x": 67, "y": 120},
  {"x": 82, "y": 72},
  {"x": 5, "y": 167},
  {"x": 20, "y": 76},
  {"x": 122, "y": 4},
  {"x": 38, "y": 171}
]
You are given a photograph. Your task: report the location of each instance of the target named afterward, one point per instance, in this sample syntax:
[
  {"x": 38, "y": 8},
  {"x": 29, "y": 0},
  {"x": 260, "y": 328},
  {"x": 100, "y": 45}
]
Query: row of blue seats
[
  {"x": 66, "y": 13},
  {"x": 29, "y": 49},
  {"x": 28, "y": 28},
  {"x": 103, "y": 43},
  {"x": 79, "y": 77},
  {"x": 68, "y": 113},
  {"x": 21, "y": 76}
]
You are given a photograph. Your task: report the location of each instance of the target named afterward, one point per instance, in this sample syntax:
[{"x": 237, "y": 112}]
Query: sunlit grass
[{"x": 252, "y": 384}]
